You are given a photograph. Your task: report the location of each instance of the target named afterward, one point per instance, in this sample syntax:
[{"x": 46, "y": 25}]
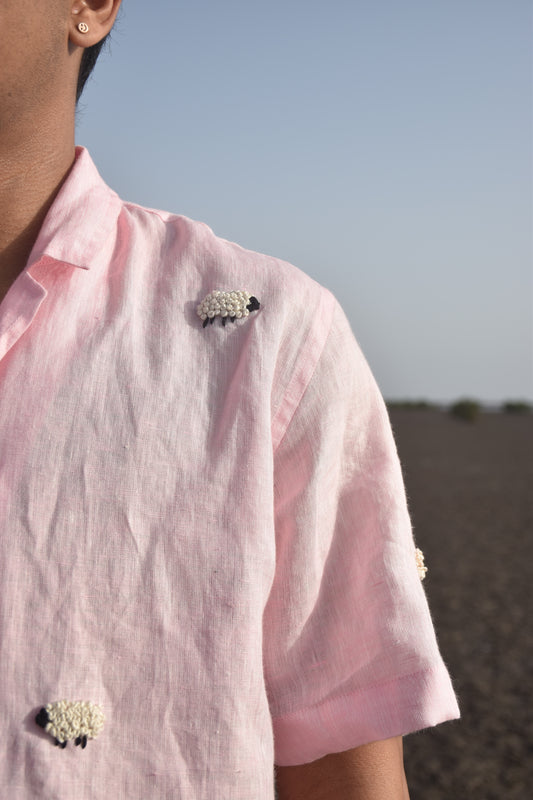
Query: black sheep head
[{"x": 42, "y": 719}]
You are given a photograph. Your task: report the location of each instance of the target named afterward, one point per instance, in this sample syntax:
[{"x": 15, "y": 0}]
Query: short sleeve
[{"x": 350, "y": 653}]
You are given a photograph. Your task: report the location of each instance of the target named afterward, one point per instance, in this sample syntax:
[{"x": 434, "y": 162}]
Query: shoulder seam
[
  {"x": 299, "y": 382},
  {"x": 153, "y": 211}
]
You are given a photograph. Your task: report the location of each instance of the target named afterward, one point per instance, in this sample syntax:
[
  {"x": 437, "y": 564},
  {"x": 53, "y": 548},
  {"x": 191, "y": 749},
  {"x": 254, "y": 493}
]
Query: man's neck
[{"x": 32, "y": 171}]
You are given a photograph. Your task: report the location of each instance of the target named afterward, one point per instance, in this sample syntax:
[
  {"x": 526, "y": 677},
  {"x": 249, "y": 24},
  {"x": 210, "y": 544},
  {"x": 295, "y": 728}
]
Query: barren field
[{"x": 470, "y": 490}]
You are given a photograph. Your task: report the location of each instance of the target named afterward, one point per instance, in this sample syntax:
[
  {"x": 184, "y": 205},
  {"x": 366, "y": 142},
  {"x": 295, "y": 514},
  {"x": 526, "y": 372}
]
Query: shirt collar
[{"x": 80, "y": 219}]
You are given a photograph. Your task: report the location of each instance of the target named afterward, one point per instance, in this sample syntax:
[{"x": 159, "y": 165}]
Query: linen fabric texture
[{"x": 204, "y": 531}]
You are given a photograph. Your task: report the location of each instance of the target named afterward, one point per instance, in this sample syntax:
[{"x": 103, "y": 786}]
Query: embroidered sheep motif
[
  {"x": 227, "y": 305},
  {"x": 66, "y": 720},
  {"x": 421, "y": 567}
]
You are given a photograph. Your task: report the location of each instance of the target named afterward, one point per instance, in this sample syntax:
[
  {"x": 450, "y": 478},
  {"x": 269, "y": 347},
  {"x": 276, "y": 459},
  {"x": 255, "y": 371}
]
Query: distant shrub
[
  {"x": 419, "y": 405},
  {"x": 516, "y": 407},
  {"x": 467, "y": 410}
]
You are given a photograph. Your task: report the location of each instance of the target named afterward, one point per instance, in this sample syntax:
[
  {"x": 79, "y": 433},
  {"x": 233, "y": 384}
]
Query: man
[{"x": 204, "y": 526}]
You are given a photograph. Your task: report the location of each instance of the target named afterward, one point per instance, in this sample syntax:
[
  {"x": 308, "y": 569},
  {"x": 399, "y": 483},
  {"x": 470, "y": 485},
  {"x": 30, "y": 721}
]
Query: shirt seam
[
  {"x": 345, "y": 696},
  {"x": 161, "y": 215},
  {"x": 327, "y": 299}
]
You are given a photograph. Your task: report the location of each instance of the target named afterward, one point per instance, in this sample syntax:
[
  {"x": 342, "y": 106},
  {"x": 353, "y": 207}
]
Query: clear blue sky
[{"x": 383, "y": 146}]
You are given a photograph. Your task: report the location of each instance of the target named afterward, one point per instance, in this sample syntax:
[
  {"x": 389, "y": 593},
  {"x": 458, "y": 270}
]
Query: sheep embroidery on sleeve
[
  {"x": 66, "y": 720},
  {"x": 227, "y": 305},
  {"x": 421, "y": 567}
]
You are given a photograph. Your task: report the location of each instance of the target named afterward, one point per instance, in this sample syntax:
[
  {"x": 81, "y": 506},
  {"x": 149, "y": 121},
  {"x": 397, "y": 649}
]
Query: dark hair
[{"x": 88, "y": 60}]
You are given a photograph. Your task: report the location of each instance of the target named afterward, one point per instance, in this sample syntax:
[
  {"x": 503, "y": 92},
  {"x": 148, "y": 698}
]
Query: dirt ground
[{"x": 470, "y": 490}]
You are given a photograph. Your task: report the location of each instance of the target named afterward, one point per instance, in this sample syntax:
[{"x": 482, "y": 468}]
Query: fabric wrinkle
[{"x": 204, "y": 531}]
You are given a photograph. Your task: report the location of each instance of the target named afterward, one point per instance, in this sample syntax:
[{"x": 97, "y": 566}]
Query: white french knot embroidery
[
  {"x": 421, "y": 567},
  {"x": 67, "y": 719},
  {"x": 226, "y": 305}
]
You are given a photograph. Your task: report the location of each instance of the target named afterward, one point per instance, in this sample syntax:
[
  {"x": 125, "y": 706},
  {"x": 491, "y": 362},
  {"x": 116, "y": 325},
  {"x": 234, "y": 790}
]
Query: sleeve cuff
[{"x": 402, "y": 706}]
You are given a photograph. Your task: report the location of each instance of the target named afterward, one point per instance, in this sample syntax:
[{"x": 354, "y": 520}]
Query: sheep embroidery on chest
[
  {"x": 67, "y": 720},
  {"x": 226, "y": 305}
]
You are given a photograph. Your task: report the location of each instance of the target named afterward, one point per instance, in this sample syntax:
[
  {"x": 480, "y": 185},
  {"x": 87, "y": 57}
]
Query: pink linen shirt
[{"x": 204, "y": 530}]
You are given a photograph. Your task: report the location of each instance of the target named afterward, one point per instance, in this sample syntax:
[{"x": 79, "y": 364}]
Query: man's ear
[{"x": 91, "y": 20}]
